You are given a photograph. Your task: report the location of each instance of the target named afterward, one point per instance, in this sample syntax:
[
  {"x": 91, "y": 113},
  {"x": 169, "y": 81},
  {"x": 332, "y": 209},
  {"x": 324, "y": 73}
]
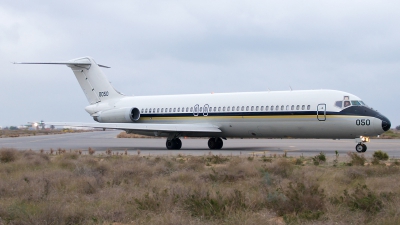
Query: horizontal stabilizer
[
  {"x": 206, "y": 128},
  {"x": 68, "y": 63}
]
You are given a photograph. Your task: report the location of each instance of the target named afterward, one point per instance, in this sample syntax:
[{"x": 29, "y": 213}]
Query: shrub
[
  {"x": 319, "y": 158},
  {"x": 91, "y": 151},
  {"x": 380, "y": 155},
  {"x": 8, "y": 155},
  {"x": 305, "y": 201},
  {"x": 356, "y": 159},
  {"x": 361, "y": 199},
  {"x": 213, "y": 206}
]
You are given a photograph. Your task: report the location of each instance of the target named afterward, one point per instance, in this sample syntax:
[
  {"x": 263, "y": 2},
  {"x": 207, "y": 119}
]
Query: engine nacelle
[{"x": 124, "y": 115}]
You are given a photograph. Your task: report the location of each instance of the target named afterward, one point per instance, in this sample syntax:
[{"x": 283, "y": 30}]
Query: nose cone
[{"x": 386, "y": 124}]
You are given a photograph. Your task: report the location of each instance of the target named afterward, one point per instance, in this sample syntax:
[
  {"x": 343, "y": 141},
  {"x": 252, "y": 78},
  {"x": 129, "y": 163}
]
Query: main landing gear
[
  {"x": 215, "y": 143},
  {"x": 174, "y": 143},
  {"x": 361, "y": 147}
]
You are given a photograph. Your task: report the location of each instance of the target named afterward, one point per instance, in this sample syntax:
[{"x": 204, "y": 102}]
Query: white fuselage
[{"x": 300, "y": 114}]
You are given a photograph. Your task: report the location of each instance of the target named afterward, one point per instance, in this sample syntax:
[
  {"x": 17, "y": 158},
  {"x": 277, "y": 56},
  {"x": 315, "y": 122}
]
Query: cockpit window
[
  {"x": 362, "y": 103},
  {"x": 355, "y": 103},
  {"x": 338, "y": 104}
]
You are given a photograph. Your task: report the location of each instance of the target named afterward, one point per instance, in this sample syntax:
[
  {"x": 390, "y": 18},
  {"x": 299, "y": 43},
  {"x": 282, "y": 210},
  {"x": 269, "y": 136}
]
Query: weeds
[
  {"x": 319, "y": 158},
  {"x": 356, "y": 159},
  {"x": 7, "y": 155},
  {"x": 380, "y": 155},
  {"x": 362, "y": 199},
  {"x": 304, "y": 201},
  {"x": 72, "y": 188}
]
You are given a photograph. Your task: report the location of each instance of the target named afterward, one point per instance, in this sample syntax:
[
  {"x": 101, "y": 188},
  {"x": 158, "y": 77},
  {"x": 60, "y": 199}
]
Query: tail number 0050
[
  {"x": 103, "y": 93},
  {"x": 363, "y": 122}
]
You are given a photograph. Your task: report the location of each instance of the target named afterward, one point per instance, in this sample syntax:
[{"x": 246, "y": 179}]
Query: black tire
[
  {"x": 178, "y": 143},
  {"x": 364, "y": 148},
  {"x": 169, "y": 144},
  {"x": 219, "y": 143},
  {"x": 360, "y": 148},
  {"x": 211, "y": 143}
]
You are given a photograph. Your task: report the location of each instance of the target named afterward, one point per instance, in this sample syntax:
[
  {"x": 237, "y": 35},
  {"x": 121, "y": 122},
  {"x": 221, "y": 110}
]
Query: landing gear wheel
[
  {"x": 215, "y": 143},
  {"x": 364, "y": 147},
  {"x": 175, "y": 143},
  {"x": 361, "y": 148},
  {"x": 178, "y": 143},
  {"x": 211, "y": 143}
]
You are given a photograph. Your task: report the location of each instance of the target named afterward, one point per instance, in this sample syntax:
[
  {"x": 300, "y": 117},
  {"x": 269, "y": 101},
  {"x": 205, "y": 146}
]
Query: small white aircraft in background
[{"x": 277, "y": 114}]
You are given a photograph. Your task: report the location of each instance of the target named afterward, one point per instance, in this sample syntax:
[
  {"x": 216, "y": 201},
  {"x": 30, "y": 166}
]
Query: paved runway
[{"x": 103, "y": 140}]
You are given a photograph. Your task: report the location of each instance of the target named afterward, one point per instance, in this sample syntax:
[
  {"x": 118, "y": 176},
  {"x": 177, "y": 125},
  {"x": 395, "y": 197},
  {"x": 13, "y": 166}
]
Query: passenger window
[
  {"x": 174, "y": 109},
  {"x": 191, "y": 109},
  {"x": 170, "y": 109},
  {"x": 210, "y": 109},
  {"x": 201, "y": 109},
  {"x": 282, "y": 108},
  {"x": 237, "y": 108},
  {"x": 223, "y": 109},
  {"x": 179, "y": 109},
  {"x": 297, "y": 107},
  {"x": 303, "y": 107},
  {"x": 256, "y": 108},
  {"x": 215, "y": 109},
  {"x": 308, "y": 107},
  {"x": 142, "y": 111},
  {"x": 247, "y": 108},
  {"x": 277, "y": 108},
  {"x": 219, "y": 109},
  {"x": 272, "y": 108},
  {"x": 292, "y": 107},
  {"x": 228, "y": 109},
  {"x": 162, "y": 110},
  {"x": 266, "y": 108},
  {"x": 262, "y": 108},
  {"x": 242, "y": 108},
  {"x": 233, "y": 108},
  {"x": 158, "y": 110},
  {"x": 145, "y": 111},
  {"x": 252, "y": 108},
  {"x": 287, "y": 108}
]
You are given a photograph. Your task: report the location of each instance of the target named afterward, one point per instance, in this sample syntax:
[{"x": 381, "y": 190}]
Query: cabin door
[{"x": 321, "y": 112}]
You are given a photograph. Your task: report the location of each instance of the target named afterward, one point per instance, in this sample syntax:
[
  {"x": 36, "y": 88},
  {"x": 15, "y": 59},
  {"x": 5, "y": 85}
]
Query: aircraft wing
[{"x": 206, "y": 128}]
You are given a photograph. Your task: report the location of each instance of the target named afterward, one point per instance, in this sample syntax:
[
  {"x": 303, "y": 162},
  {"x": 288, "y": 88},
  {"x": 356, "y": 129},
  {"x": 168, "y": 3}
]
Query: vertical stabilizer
[{"x": 93, "y": 82}]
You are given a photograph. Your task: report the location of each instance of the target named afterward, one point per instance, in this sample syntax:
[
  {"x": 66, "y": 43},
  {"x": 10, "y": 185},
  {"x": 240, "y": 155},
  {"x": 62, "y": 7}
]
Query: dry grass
[{"x": 69, "y": 187}]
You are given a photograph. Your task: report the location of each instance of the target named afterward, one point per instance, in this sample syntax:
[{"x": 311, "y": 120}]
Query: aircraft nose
[{"x": 386, "y": 124}]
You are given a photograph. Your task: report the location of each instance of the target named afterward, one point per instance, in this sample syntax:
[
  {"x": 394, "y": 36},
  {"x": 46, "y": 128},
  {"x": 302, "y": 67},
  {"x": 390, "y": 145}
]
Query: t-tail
[{"x": 93, "y": 82}]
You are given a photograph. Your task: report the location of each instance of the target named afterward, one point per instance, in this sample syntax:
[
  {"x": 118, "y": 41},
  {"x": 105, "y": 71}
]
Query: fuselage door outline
[{"x": 321, "y": 112}]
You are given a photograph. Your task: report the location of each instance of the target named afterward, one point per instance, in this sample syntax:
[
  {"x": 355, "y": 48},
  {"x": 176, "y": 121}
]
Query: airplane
[{"x": 272, "y": 114}]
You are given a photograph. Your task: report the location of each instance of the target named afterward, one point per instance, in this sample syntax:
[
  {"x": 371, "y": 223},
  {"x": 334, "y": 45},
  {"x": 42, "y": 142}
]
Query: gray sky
[{"x": 181, "y": 47}]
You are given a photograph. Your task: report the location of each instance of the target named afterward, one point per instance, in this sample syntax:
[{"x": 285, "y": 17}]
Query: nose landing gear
[
  {"x": 361, "y": 147},
  {"x": 215, "y": 143}
]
